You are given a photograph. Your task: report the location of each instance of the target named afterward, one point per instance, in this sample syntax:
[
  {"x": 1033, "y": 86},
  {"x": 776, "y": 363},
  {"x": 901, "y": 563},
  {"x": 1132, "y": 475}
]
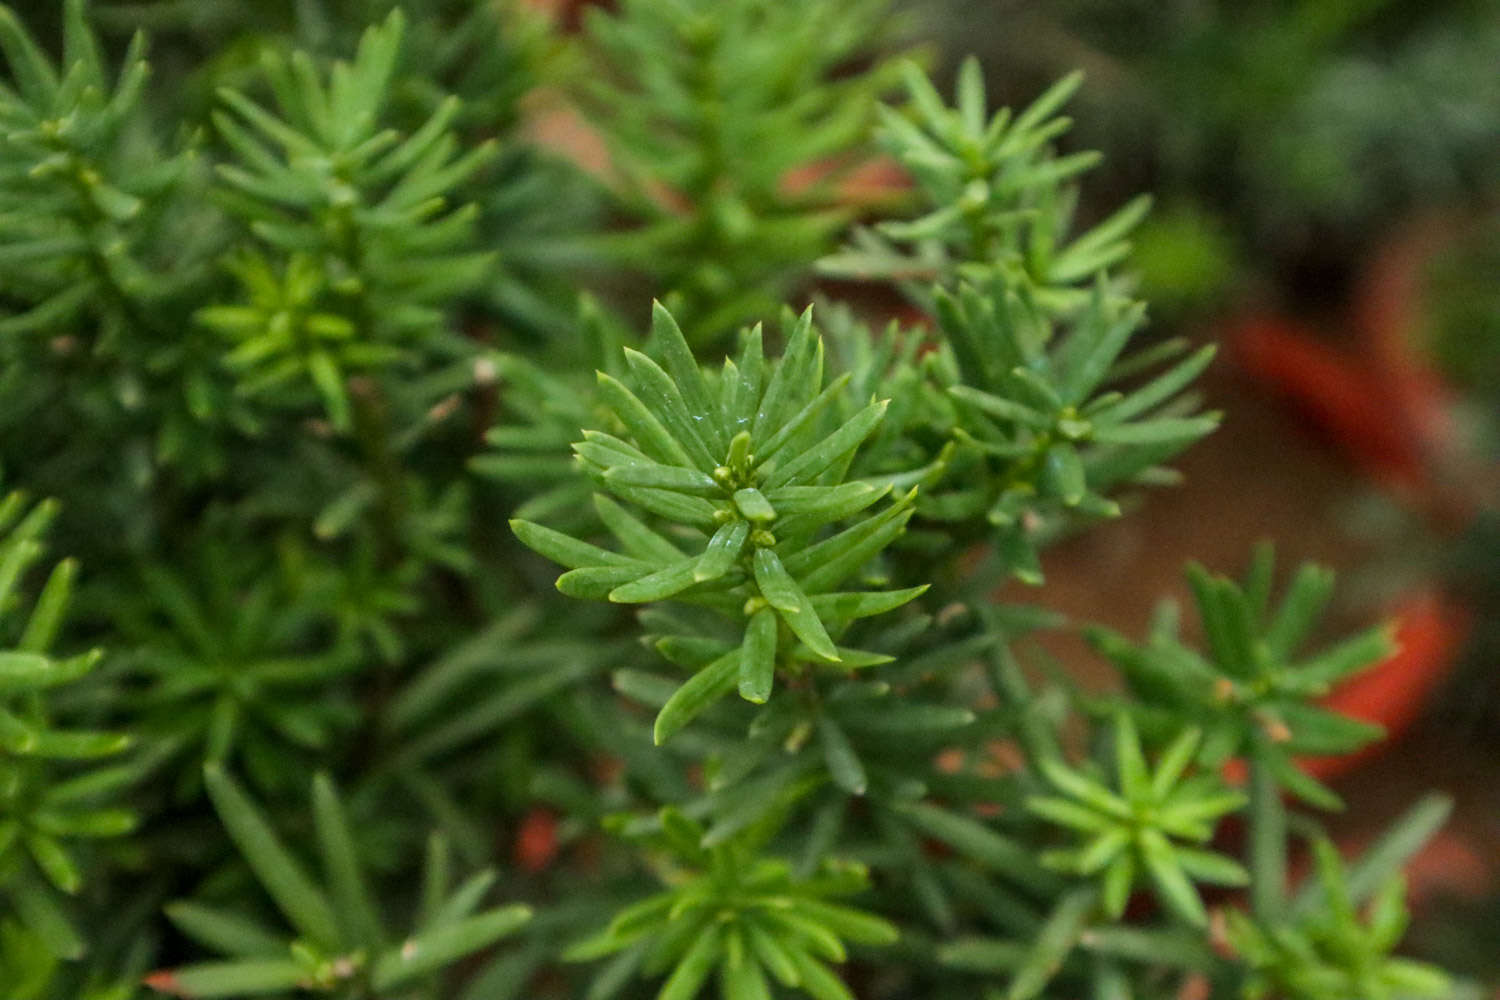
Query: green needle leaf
[
  {"x": 777, "y": 586},
  {"x": 757, "y": 669},
  {"x": 654, "y": 438},
  {"x": 723, "y": 551},
  {"x": 228, "y": 933},
  {"x": 1135, "y": 777},
  {"x": 23, "y": 671},
  {"x": 989, "y": 847},
  {"x": 438, "y": 948},
  {"x": 753, "y": 505},
  {"x": 1174, "y": 761},
  {"x": 1057, "y": 939},
  {"x": 659, "y": 585},
  {"x": 683, "y": 367},
  {"x": 1171, "y": 882},
  {"x": 745, "y": 981},
  {"x": 568, "y": 551},
  {"x": 693, "y": 969},
  {"x": 997, "y": 406},
  {"x": 639, "y": 540},
  {"x": 1065, "y": 471},
  {"x": 1118, "y": 878},
  {"x": 252, "y": 977},
  {"x": 697, "y": 694},
  {"x": 54, "y": 862},
  {"x": 817, "y": 980},
  {"x": 346, "y": 878},
  {"x": 831, "y": 449},
  {"x": 1206, "y": 866},
  {"x": 667, "y": 403},
  {"x": 663, "y": 477},
  {"x": 595, "y": 583},
  {"x": 1161, "y": 430},
  {"x": 772, "y": 953},
  {"x": 842, "y": 760},
  {"x": 302, "y": 902}
]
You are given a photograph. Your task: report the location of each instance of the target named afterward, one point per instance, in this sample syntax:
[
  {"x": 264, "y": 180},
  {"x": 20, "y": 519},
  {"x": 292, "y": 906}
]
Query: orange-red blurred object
[{"x": 536, "y": 841}]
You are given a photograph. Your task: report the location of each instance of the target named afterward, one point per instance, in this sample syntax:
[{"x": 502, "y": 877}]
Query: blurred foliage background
[
  {"x": 1284, "y": 138},
  {"x": 1327, "y": 183}
]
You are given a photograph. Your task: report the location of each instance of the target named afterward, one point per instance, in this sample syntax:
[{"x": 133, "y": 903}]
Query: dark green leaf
[
  {"x": 295, "y": 895},
  {"x": 442, "y": 946},
  {"x": 840, "y": 756},
  {"x": 697, "y": 694}
]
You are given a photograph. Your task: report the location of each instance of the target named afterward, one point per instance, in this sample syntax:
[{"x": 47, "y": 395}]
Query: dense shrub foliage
[{"x": 314, "y": 375}]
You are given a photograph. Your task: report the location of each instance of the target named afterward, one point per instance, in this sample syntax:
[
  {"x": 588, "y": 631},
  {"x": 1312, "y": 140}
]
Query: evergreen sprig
[
  {"x": 1047, "y": 413},
  {"x": 342, "y": 945},
  {"x": 748, "y": 474},
  {"x": 84, "y": 192},
  {"x": 51, "y": 784},
  {"x": 1045, "y": 420},
  {"x": 1140, "y": 825},
  {"x": 734, "y": 911},
  {"x": 1248, "y": 690},
  {"x": 707, "y": 136},
  {"x": 358, "y": 210},
  {"x": 1000, "y": 200},
  {"x": 107, "y": 242},
  {"x": 1330, "y": 952},
  {"x": 235, "y": 666}
]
